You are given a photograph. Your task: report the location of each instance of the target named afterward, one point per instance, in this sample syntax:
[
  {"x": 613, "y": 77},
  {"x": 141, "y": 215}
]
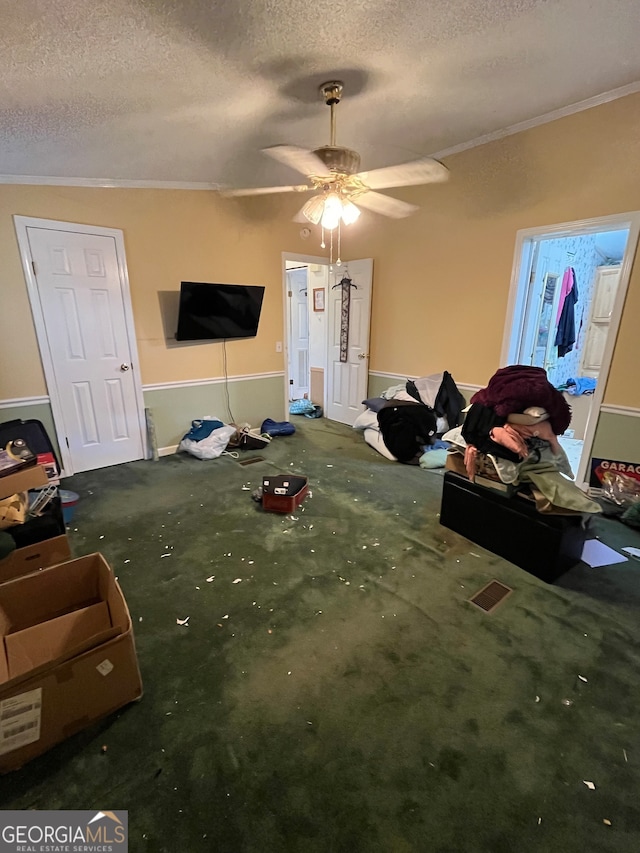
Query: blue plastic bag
[{"x": 300, "y": 407}]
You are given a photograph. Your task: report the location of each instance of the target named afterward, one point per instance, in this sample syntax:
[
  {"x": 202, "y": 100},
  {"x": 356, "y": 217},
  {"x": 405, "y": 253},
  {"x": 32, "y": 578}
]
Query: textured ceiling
[{"x": 189, "y": 91}]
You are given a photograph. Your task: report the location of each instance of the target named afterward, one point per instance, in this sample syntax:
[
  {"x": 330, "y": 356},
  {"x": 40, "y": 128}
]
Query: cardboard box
[
  {"x": 33, "y": 477},
  {"x": 67, "y": 659},
  {"x": 31, "y": 558},
  {"x": 454, "y": 461}
]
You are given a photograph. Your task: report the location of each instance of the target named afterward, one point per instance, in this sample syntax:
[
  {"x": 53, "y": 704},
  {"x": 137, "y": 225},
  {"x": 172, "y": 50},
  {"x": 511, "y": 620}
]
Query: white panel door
[
  {"x": 80, "y": 293},
  {"x": 595, "y": 340},
  {"x": 347, "y": 381},
  {"x": 298, "y": 302}
]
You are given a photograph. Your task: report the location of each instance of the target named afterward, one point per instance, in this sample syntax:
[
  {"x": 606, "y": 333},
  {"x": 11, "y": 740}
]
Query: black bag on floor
[{"x": 406, "y": 428}]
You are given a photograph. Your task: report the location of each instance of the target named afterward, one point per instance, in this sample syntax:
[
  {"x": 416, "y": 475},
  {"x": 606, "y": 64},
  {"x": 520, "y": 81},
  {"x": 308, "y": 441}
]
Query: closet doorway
[{"x": 567, "y": 291}]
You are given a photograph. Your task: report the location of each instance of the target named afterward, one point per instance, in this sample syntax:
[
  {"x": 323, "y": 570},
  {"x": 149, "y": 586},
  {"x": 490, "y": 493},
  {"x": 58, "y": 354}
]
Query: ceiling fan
[{"x": 332, "y": 171}]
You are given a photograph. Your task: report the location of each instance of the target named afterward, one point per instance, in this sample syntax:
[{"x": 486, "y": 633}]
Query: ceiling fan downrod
[{"x": 332, "y": 93}]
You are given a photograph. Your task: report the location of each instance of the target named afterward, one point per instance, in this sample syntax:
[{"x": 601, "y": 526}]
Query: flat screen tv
[{"x": 218, "y": 311}]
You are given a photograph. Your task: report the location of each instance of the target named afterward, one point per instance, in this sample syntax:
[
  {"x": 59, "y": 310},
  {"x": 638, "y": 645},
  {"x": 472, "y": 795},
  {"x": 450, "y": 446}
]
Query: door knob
[
  {"x": 362, "y": 355},
  {"x": 125, "y": 366}
]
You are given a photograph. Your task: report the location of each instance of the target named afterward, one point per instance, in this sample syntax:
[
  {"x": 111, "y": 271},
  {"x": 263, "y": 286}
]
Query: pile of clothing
[
  {"x": 509, "y": 440},
  {"x": 405, "y": 423}
]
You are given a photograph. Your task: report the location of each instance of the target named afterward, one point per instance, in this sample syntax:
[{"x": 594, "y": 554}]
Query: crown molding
[
  {"x": 545, "y": 118},
  {"x": 105, "y": 183}
]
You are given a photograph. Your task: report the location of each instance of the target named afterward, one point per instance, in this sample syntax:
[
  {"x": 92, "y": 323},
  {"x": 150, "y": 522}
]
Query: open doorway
[
  {"x": 567, "y": 292},
  {"x": 306, "y": 284},
  {"x": 327, "y": 314}
]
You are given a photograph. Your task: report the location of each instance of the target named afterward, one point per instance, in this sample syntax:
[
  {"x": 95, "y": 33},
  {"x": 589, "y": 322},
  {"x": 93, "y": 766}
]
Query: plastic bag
[
  {"x": 300, "y": 407},
  {"x": 202, "y": 428},
  {"x": 211, "y": 446},
  {"x": 621, "y": 489},
  {"x": 316, "y": 412}
]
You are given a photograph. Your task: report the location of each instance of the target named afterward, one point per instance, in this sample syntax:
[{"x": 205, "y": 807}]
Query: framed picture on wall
[{"x": 318, "y": 298}]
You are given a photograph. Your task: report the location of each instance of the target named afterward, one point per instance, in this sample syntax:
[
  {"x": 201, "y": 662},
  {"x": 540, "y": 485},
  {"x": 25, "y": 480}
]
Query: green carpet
[{"x": 344, "y": 695}]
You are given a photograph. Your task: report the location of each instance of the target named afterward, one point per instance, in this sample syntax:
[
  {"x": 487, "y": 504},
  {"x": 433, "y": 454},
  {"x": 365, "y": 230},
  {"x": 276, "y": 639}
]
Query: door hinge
[
  {"x": 67, "y": 440},
  {"x": 290, "y": 293},
  {"x": 33, "y": 267},
  {"x": 291, "y": 382}
]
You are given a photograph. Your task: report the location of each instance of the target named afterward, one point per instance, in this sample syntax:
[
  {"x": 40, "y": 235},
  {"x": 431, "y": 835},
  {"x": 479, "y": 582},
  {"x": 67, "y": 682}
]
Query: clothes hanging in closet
[{"x": 566, "y": 333}]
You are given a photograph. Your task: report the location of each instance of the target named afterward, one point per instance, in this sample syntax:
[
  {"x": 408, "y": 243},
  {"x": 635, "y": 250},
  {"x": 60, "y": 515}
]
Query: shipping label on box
[{"x": 20, "y": 720}]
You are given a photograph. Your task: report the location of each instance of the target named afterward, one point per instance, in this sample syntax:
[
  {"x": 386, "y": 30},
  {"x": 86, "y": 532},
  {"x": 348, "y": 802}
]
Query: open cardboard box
[
  {"x": 33, "y": 477},
  {"x": 67, "y": 659},
  {"x": 31, "y": 558}
]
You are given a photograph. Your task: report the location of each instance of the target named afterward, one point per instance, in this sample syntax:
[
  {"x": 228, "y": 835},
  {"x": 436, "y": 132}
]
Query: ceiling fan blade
[
  {"x": 424, "y": 171},
  {"x": 386, "y": 205},
  {"x": 301, "y": 188},
  {"x": 299, "y": 159},
  {"x": 300, "y": 217}
]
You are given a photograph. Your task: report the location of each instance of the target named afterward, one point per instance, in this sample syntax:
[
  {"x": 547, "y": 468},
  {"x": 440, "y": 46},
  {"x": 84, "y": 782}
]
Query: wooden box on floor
[{"x": 511, "y": 527}]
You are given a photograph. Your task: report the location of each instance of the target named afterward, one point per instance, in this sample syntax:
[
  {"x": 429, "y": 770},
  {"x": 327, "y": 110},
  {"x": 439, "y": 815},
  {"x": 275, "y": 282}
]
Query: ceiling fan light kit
[{"x": 333, "y": 172}]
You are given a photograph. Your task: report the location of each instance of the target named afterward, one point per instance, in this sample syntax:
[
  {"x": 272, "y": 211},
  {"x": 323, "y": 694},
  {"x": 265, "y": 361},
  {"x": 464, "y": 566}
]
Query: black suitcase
[{"x": 51, "y": 522}]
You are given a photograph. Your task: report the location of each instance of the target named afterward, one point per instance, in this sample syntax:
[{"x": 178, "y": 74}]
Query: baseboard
[{"x": 167, "y": 451}]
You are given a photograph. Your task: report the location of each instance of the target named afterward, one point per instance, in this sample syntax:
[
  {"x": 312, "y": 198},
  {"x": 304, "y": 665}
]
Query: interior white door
[
  {"x": 298, "y": 302},
  {"x": 81, "y": 296},
  {"x": 604, "y": 297},
  {"x": 347, "y": 381}
]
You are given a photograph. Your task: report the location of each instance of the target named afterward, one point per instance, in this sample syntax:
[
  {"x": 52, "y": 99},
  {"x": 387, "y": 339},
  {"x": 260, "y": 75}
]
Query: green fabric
[
  {"x": 560, "y": 491},
  {"x": 547, "y": 475},
  {"x": 631, "y": 516}
]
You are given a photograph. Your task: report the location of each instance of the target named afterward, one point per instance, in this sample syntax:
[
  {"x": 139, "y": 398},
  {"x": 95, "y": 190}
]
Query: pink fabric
[
  {"x": 470, "y": 454},
  {"x": 510, "y": 438},
  {"x": 567, "y": 286},
  {"x": 542, "y": 430}
]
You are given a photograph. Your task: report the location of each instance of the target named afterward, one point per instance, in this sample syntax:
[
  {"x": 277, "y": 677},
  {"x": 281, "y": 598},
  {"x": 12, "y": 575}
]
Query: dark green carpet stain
[{"x": 344, "y": 695}]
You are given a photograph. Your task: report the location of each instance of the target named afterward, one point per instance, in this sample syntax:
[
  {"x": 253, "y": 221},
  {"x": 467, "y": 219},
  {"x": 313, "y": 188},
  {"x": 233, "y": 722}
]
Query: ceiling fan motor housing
[{"x": 339, "y": 159}]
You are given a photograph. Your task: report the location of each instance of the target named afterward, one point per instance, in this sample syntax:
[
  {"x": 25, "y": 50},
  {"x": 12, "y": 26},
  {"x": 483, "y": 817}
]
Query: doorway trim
[
  {"x": 516, "y": 304},
  {"x": 22, "y": 223},
  {"x": 304, "y": 259}
]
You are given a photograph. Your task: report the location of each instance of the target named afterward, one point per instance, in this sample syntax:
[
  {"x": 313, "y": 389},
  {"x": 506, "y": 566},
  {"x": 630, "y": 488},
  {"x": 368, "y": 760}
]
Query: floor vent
[
  {"x": 490, "y": 596},
  {"x": 251, "y": 460}
]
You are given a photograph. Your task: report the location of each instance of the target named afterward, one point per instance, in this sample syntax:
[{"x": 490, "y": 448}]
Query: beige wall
[
  {"x": 441, "y": 277},
  {"x": 169, "y": 236}
]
